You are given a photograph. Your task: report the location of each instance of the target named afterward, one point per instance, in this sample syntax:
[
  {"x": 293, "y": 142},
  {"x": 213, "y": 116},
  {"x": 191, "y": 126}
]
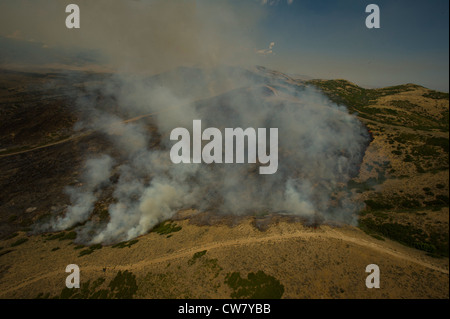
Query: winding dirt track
[
  {"x": 188, "y": 252},
  {"x": 71, "y": 138}
]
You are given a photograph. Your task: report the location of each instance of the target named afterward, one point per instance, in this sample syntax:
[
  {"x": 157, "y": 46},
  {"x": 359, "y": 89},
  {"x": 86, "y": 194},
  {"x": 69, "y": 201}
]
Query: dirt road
[
  {"x": 188, "y": 252},
  {"x": 71, "y": 138}
]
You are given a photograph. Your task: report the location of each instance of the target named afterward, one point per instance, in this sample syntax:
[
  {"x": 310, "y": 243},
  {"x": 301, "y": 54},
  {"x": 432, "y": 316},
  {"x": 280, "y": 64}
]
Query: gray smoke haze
[
  {"x": 320, "y": 148},
  {"x": 147, "y": 36},
  {"x": 320, "y": 144},
  {"x": 96, "y": 173}
]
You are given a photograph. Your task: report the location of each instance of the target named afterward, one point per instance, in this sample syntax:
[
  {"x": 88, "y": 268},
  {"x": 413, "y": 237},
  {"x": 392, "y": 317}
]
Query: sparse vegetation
[
  {"x": 213, "y": 265},
  {"x": 363, "y": 101},
  {"x": 90, "y": 250},
  {"x": 196, "y": 256},
  {"x": 122, "y": 286},
  {"x": 255, "y": 286},
  {"x": 63, "y": 236},
  {"x": 375, "y": 205},
  {"x": 166, "y": 228},
  {"x": 125, "y": 244},
  {"x": 353, "y": 96},
  {"x": 441, "y": 142},
  {"x": 435, "y": 244},
  {"x": 436, "y": 95},
  {"x": 19, "y": 242},
  {"x": 376, "y": 236}
]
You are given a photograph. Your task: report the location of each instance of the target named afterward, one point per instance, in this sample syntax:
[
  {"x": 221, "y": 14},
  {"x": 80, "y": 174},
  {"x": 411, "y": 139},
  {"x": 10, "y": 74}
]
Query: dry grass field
[{"x": 403, "y": 182}]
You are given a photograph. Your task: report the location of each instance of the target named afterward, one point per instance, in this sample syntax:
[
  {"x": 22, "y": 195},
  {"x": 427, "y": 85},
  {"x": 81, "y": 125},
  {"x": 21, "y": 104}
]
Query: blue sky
[
  {"x": 319, "y": 38},
  {"x": 329, "y": 39}
]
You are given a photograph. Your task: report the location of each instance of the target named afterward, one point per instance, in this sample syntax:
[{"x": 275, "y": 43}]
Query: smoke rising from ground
[
  {"x": 320, "y": 144},
  {"x": 96, "y": 172},
  {"x": 320, "y": 148}
]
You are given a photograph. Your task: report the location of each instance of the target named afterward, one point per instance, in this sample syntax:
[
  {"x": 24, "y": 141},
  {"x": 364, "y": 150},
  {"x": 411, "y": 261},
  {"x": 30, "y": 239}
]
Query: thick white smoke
[
  {"x": 320, "y": 147},
  {"x": 96, "y": 174},
  {"x": 320, "y": 144}
]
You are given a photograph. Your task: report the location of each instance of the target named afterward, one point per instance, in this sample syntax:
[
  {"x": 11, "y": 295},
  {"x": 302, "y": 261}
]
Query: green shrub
[
  {"x": 19, "y": 242},
  {"x": 374, "y": 205},
  {"x": 441, "y": 142},
  {"x": 410, "y": 203},
  {"x": 408, "y": 158},
  {"x": 256, "y": 286},
  {"x": 63, "y": 236},
  {"x": 443, "y": 198},
  {"x": 125, "y": 244},
  {"x": 123, "y": 286},
  {"x": 435, "y": 244},
  {"x": 89, "y": 250},
  {"x": 196, "y": 256},
  {"x": 377, "y": 236},
  {"x": 166, "y": 228},
  {"x": 425, "y": 150},
  {"x": 436, "y": 95}
]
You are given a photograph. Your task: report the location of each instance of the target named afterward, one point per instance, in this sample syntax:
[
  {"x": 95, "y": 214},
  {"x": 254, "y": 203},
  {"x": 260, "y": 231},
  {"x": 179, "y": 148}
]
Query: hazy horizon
[{"x": 321, "y": 39}]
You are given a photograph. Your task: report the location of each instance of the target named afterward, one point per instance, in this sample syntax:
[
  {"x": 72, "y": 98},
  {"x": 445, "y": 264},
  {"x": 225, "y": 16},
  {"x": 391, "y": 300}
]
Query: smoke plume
[
  {"x": 320, "y": 143},
  {"x": 320, "y": 148}
]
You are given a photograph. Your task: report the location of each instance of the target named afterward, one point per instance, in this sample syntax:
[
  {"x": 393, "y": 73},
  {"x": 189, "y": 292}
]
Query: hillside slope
[{"x": 403, "y": 182}]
